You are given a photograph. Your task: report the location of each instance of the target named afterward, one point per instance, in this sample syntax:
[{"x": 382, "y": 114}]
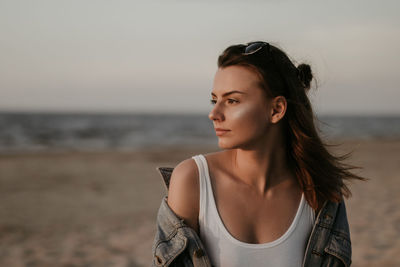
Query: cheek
[{"x": 249, "y": 117}]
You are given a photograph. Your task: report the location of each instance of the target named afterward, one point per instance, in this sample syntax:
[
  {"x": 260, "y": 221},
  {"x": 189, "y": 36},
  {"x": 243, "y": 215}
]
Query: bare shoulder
[{"x": 184, "y": 192}]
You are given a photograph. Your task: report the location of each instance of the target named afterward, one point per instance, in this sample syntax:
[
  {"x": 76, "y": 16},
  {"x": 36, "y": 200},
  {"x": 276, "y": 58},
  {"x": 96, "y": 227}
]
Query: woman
[{"x": 274, "y": 195}]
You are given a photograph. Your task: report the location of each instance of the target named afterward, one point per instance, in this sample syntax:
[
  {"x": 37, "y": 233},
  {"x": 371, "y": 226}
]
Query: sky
[{"x": 161, "y": 56}]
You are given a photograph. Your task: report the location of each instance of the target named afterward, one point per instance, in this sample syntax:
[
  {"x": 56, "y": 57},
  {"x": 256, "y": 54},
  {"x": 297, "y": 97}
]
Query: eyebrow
[{"x": 229, "y": 93}]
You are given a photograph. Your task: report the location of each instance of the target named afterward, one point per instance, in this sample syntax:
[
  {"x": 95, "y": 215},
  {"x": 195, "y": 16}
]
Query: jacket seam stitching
[
  {"x": 325, "y": 226},
  {"x": 168, "y": 238},
  {"x": 341, "y": 235}
]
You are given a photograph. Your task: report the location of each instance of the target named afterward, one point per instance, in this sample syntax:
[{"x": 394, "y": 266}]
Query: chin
[
  {"x": 225, "y": 144},
  {"x": 235, "y": 144}
]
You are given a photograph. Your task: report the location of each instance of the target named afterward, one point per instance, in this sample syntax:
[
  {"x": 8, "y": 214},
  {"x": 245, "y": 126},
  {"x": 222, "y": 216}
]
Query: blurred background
[{"x": 94, "y": 95}]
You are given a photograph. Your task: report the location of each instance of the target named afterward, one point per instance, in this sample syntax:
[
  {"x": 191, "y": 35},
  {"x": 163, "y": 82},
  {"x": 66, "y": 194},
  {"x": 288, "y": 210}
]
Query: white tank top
[{"x": 225, "y": 250}]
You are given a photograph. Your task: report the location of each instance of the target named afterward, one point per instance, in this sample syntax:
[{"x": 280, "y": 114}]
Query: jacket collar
[{"x": 165, "y": 173}]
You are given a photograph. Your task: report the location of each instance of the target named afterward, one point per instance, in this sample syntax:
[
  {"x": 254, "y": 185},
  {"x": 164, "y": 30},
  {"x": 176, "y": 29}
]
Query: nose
[{"x": 216, "y": 113}]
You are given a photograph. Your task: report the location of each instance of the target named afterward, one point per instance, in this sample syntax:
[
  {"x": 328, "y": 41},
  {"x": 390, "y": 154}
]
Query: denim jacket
[{"x": 177, "y": 244}]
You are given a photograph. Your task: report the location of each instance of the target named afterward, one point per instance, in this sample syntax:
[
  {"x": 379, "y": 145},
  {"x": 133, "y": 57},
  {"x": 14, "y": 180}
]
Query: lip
[{"x": 220, "y": 131}]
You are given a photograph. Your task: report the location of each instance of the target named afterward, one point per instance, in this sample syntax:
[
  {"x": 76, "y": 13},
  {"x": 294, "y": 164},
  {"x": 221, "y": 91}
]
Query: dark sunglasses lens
[{"x": 253, "y": 48}]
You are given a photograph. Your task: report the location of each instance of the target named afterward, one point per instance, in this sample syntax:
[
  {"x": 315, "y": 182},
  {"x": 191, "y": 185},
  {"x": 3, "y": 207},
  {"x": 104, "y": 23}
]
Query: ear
[{"x": 278, "y": 108}]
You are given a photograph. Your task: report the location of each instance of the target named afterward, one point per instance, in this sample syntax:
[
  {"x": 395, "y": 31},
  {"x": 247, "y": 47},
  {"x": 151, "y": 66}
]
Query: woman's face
[{"x": 240, "y": 106}]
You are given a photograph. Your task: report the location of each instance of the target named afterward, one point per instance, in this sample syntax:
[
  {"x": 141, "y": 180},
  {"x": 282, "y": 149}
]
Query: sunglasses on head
[{"x": 254, "y": 47}]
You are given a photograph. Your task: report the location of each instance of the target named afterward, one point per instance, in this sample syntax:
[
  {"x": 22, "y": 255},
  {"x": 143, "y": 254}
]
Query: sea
[{"x": 101, "y": 131}]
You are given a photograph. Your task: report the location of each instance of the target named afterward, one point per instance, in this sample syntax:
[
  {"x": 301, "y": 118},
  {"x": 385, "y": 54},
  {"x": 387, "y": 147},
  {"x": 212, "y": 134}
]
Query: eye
[{"x": 231, "y": 101}]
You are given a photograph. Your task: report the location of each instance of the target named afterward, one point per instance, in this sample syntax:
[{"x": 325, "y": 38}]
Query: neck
[{"x": 264, "y": 166}]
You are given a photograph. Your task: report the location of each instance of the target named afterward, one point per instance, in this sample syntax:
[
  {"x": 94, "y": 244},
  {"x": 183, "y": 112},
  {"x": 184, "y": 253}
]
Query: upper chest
[{"x": 247, "y": 216}]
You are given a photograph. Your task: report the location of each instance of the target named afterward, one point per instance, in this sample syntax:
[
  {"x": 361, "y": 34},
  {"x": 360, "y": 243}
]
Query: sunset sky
[{"x": 160, "y": 56}]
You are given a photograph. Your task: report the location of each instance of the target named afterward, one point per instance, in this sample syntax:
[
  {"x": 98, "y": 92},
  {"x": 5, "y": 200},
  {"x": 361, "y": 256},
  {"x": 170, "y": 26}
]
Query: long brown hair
[{"x": 319, "y": 173}]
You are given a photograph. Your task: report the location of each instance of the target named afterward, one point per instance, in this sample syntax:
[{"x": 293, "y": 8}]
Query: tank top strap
[{"x": 202, "y": 168}]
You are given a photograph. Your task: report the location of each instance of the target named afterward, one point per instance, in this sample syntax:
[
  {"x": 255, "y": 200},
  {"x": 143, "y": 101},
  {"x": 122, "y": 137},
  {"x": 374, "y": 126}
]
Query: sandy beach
[{"x": 99, "y": 208}]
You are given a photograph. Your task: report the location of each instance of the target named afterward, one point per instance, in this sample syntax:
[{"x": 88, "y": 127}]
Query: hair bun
[{"x": 305, "y": 75}]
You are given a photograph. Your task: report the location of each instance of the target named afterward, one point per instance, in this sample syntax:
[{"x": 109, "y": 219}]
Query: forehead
[{"x": 235, "y": 78}]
